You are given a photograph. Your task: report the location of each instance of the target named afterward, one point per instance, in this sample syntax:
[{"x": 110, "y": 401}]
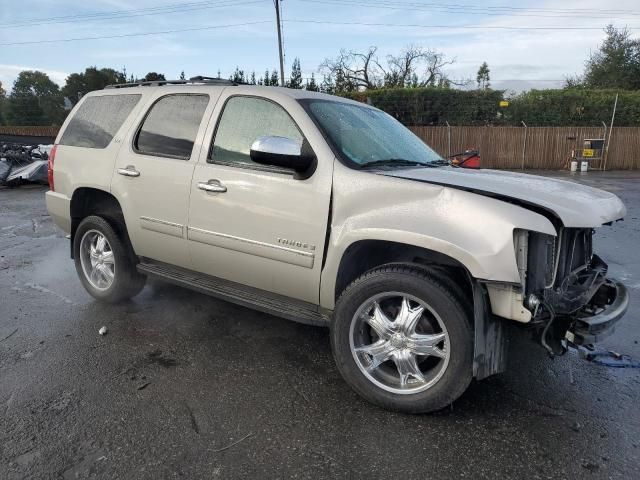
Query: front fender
[{"x": 475, "y": 230}]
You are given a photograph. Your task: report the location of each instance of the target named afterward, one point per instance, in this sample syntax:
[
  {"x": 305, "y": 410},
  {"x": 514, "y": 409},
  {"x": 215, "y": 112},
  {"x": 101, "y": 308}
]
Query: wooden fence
[
  {"x": 29, "y": 131},
  {"x": 543, "y": 148},
  {"x": 500, "y": 147}
]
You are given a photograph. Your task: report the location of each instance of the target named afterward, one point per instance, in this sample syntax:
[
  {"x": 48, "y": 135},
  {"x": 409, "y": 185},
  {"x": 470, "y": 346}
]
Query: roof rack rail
[{"x": 157, "y": 83}]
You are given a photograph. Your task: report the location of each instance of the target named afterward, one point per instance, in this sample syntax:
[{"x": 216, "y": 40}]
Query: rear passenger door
[{"x": 152, "y": 176}]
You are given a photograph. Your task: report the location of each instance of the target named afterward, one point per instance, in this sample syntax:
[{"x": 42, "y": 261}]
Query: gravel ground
[{"x": 184, "y": 385}]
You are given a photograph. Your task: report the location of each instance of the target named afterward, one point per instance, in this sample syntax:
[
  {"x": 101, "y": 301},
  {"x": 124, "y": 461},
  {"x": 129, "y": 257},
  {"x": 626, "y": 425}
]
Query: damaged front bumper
[{"x": 598, "y": 318}]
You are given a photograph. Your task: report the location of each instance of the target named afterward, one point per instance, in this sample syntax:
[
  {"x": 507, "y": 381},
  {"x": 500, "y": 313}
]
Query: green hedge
[
  {"x": 569, "y": 107},
  {"x": 434, "y": 106},
  {"x": 566, "y": 107}
]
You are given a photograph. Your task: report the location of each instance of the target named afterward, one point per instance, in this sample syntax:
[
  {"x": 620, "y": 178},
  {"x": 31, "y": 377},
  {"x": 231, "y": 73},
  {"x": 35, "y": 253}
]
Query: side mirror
[{"x": 283, "y": 152}]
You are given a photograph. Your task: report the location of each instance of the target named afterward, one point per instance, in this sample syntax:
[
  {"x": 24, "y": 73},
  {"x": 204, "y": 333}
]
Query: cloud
[{"x": 8, "y": 74}]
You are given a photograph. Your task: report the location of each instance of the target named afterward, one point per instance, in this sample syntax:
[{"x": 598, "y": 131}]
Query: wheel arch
[
  {"x": 348, "y": 262},
  {"x": 87, "y": 201}
]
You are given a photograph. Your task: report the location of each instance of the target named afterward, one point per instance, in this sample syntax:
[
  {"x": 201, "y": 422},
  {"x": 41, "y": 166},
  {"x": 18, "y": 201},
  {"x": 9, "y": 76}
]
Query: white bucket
[
  {"x": 584, "y": 166},
  {"x": 574, "y": 165}
]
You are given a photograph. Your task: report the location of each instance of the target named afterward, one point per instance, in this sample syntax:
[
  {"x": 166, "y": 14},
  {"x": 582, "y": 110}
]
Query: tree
[
  {"x": 35, "y": 100},
  {"x": 182, "y": 76},
  {"x": 295, "y": 81},
  {"x": 252, "y": 80},
  {"x": 353, "y": 70},
  {"x": 267, "y": 79},
  {"x": 414, "y": 66},
  {"x": 403, "y": 70},
  {"x": 327, "y": 85},
  {"x": 312, "y": 86},
  {"x": 2, "y": 104},
  {"x": 616, "y": 64},
  {"x": 154, "y": 77},
  {"x": 238, "y": 76},
  {"x": 79, "y": 84},
  {"x": 482, "y": 78},
  {"x": 275, "y": 78}
]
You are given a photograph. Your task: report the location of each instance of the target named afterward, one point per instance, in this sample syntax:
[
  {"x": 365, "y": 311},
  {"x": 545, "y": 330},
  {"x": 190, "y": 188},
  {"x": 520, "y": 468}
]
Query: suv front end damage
[{"x": 567, "y": 290}]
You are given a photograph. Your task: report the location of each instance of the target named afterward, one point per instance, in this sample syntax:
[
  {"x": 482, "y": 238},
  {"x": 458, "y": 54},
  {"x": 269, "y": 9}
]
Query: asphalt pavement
[{"x": 187, "y": 386}]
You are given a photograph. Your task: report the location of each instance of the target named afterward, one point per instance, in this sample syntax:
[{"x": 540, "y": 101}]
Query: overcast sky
[{"x": 518, "y": 59}]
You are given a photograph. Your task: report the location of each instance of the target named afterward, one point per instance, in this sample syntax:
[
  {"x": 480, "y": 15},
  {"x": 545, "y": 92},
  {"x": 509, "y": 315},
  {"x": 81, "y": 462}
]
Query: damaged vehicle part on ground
[{"x": 23, "y": 164}]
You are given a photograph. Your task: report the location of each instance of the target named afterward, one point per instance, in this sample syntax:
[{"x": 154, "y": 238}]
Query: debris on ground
[
  {"x": 10, "y": 335},
  {"x": 233, "y": 444},
  {"x": 608, "y": 358},
  {"x": 103, "y": 331},
  {"x": 23, "y": 163},
  {"x": 144, "y": 385}
]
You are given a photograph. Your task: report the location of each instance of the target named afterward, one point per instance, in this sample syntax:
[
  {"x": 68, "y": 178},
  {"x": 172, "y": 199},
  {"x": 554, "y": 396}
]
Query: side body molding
[{"x": 252, "y": 247}]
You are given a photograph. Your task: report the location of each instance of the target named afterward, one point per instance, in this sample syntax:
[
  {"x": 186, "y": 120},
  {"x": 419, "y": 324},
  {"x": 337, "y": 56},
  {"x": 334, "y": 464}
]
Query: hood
[{"x": 575, "y": 205}]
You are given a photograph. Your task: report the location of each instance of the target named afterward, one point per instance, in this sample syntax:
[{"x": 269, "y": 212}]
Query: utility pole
[{"x": 277, "y": 4}]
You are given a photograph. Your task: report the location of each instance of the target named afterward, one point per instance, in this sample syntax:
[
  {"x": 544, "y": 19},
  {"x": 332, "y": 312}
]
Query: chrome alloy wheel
[
  {"x": 98, "y": 263},
  {"x": 399, "y": 343}
]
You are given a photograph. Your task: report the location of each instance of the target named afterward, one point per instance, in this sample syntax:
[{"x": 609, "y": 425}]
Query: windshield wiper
[
  {"x": 443, "y": 163},
  {"x": 400, "y": 162}
]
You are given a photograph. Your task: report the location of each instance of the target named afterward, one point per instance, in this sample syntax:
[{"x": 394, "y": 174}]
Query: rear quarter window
[{"x": 97, "y": 120}]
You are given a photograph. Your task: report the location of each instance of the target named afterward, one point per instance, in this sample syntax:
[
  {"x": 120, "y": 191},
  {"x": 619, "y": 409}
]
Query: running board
[{"x": 274, "y": 304}]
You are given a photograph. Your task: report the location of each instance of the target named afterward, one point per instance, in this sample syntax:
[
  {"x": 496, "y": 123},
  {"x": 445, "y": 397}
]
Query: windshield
[{"x": 367, "y": 136}]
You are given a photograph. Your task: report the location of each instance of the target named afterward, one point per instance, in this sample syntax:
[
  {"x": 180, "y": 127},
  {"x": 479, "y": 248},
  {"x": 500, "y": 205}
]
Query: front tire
[
  {"x": 105, "y": 261},
  {"x": 402, "y": 340}
]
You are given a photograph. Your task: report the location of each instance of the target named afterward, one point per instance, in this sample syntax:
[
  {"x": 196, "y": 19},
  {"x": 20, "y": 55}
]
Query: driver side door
[{"x": 260, "y": 226}]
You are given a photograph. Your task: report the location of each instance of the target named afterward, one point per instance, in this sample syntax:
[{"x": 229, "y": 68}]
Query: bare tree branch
[{"x": 415, "y": 66}]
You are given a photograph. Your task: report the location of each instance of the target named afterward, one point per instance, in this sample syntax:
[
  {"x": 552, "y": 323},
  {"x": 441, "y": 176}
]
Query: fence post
[
  {"x": 524, "y": 143},
  {"x": 606, "y": 151},
  {"x": 448, "y": 139}
]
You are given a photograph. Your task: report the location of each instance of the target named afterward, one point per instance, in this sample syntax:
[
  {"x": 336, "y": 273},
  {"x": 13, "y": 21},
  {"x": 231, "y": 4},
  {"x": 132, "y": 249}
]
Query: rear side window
[
  {"x": 171, "y": 126},
  {"x": 97, "y": 120}
]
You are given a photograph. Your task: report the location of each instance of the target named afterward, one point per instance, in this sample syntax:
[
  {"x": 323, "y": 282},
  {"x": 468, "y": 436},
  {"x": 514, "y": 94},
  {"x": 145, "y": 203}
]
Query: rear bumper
[
  {"x": 592, "y": 329},
  {"x": 58, "y": 206}
]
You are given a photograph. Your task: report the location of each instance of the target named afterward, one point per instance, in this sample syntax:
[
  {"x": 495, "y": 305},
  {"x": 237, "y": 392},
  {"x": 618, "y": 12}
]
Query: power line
[
  {"x": 132, "y": 15},
  {"x": 319, "y": 22},
  {"x": 142, "y": 34},
  {"x": 467, "y": 10},
  {"x": 474, "y": 27},
  {"x": 591, "y": 11},
  {"x": 116, "y": 14}
]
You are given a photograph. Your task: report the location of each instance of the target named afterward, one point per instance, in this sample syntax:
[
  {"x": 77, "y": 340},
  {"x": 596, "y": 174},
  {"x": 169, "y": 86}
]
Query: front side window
[
  {"x": 243, "y": 121},
  {"x": 367, "y": 136},
  {"x": 97, "y": 120},
  {"x": 171, "y": 126}
]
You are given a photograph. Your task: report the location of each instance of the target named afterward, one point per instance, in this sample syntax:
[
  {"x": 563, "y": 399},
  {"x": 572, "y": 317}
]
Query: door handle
[
  {"x": 212, "y": 186},
  {"x": 129, "y": 171}
]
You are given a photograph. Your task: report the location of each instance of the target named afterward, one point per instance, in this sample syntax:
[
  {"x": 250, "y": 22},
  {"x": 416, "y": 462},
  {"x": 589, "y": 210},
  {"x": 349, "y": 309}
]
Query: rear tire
[
  {"x": 105, "y": 261},
  {"x": 402, "y": 340}
]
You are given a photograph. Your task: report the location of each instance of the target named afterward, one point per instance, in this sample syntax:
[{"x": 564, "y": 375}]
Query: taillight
[{"x": 52, "y": 157}]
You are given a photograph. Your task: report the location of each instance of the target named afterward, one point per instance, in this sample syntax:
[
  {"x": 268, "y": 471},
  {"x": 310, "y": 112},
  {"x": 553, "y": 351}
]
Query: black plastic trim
[{"x": 590, "y": 330}]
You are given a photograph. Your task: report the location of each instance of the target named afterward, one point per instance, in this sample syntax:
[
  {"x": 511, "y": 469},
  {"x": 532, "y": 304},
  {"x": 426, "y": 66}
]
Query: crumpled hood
[{"x": 576, "y": 205}]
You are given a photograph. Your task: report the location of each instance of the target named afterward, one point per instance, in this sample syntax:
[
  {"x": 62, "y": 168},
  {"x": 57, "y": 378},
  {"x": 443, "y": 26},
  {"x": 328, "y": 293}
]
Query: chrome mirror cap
[{"x": 277, "y": 145}]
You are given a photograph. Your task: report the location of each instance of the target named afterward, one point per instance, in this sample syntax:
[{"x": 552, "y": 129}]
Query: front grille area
[
  {"x": 563, "y": 272},
  {"x": 574, "y": 254}
]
